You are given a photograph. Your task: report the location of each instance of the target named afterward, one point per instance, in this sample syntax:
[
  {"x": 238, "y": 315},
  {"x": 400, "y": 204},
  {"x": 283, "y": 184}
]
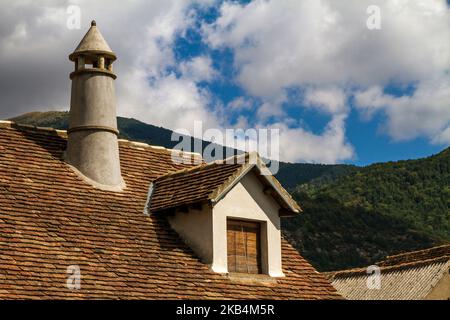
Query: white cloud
[
  {"x": 322, "y": 47},
  {"x": 278, "y": 44},
  {"x": 169, "y": 101},
  {"x": 329, "y": 100},
  {"x": 269, "y": 110},
  {"x": 443, "y": 137},
  {"x": 326, "y": 48},
  {"x": 297, "y": 144},
  {"x": 424, "y": 113},
  {"x": 198, "y": 69},
  {"x": 240, "y": 103},
  {"x": 35, "y": 41}
]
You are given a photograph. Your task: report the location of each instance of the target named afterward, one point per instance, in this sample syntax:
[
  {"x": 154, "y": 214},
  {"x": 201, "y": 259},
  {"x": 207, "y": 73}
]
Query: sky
[{"x": 341, "y": 82}]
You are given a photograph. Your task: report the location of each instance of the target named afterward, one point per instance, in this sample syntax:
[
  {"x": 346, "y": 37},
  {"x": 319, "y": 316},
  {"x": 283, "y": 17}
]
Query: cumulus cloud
[
  {"x": 443, "y": 137},
  {"x": 198, "y": 69},
  {"x": 329, "y": 100},
  {"x": 326, "y": 48},
  {"x": 270, "y": 110},
  {"x": 424, "y": 113},
  {"x": 329, "y": 147},
  {"x": 172, "y": 102},
  {"x": 278, "y": 44},
  {"x": 240, "y": 103},
  {"x": 35, "y": 43},
  {"x": 322, "y": 48}
]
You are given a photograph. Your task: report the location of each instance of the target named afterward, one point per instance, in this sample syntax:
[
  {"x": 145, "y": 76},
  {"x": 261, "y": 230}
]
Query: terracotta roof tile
[
  {"x": 414, "y": 282},
  {"x": 193, "y": 185},
  {"x": 51, "y": 219},
  {"x": 405, "y": 276},
  {"x": 416, "y": 256}
]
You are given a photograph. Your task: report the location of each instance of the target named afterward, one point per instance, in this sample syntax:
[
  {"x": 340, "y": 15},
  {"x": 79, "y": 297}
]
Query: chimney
[{"x": 92, "y": 147}]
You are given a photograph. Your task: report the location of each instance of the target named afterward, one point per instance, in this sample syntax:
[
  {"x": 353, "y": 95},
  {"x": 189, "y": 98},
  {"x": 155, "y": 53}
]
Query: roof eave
[
  {"x": 292, "y": 207},
  {"x": 108, "y": 54}
]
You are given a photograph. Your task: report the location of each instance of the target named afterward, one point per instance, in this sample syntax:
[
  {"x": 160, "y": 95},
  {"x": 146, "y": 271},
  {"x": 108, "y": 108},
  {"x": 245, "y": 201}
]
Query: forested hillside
[
  {"x": 417, "y": 191},
  {"x": 372, "y": 212}
]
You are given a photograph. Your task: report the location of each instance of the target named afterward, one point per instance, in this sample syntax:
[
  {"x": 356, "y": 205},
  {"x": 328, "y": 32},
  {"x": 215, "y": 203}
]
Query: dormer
[{"x": 228, "y": 212}]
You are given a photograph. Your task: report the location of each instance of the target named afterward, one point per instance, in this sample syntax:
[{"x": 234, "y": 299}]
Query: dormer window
[
  {"x": 229, "y": 214},
  {"x": 244, "y": 246}
]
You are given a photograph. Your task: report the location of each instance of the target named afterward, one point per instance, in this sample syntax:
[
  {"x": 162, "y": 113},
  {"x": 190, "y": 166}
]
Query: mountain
[
  {"x": 291, "y": 174},
  {"x": 333, "y": 236},
  {"x": 130, "y": 129},
  {"x": 417, "y": 191},
  {"x": 358, "y": 218},
  {"x": 352, "y": 216}
]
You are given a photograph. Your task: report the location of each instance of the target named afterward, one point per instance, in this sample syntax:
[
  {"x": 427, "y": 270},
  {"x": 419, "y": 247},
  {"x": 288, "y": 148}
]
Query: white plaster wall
[
  {"x": 195, "y": 228},
  {"x": 247, "y": 201},
  {"x": 442, "y": 289},
  {"x": 205, "y": 230},
  {"x": 94, "y": 153}
]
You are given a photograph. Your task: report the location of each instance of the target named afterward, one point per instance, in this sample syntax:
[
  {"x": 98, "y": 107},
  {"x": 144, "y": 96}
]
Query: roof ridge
[
  {"x": 205, "y": 165},
  {"x": 15, "y": 125},
  {"x": 63, "y": 133},
  {"x": 181, "y": 171},
  {"x": 197, "y": 167},
  {"x": 359, "y": 271},
  {"x": 410, "y": 253},
  {"x": 141, "y": 144}
]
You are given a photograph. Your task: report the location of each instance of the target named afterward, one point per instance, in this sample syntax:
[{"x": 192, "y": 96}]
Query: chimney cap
[{"x": 93, "y": 43}]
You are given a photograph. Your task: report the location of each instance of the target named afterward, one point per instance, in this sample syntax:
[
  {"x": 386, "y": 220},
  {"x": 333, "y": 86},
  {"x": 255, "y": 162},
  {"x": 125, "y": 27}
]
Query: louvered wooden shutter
[{"x": 244, "y": 246}]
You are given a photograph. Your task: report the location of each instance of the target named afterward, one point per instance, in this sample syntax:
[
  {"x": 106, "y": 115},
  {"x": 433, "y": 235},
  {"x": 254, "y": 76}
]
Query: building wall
[
  {"x": 195, "y": 228},
  {"x": 94, "y": 153},
  {"x": 93, "y": 101},
  {"x": 247, "y": 201},
  {"x": 441, "y": 291},
  {"x": 205, "y": 230}
]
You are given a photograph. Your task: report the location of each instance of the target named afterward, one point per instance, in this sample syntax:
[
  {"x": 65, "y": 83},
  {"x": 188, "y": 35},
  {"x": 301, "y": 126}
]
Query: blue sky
[
  {"x": 371, "y": 144},
  {"x": 338, "y": 91}
]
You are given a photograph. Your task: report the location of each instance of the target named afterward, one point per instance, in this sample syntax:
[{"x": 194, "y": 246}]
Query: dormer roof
[{"x": 210, "y": 182}]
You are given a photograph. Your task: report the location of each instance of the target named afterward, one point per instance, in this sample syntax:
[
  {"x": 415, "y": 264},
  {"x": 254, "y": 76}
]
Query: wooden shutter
[{"x": 244, "y": 246}]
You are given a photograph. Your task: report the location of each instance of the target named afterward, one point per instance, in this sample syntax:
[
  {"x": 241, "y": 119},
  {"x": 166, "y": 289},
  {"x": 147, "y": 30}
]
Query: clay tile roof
[
  {"x": 207, "y": 182},
  {"x": 416, "y": 256},
  {"x": 189, "y": 186},
  {"x": 405, "y": 276},
  {"x": 50, "y": 219}
]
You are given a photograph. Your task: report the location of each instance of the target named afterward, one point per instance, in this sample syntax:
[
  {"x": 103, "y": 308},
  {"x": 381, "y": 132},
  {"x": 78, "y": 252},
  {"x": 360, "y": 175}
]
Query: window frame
[{"x": 246, "y": 227}]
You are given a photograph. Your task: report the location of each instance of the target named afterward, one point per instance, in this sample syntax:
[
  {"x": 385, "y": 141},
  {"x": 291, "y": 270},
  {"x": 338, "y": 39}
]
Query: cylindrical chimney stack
[{"x": 92, "y": 147}]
